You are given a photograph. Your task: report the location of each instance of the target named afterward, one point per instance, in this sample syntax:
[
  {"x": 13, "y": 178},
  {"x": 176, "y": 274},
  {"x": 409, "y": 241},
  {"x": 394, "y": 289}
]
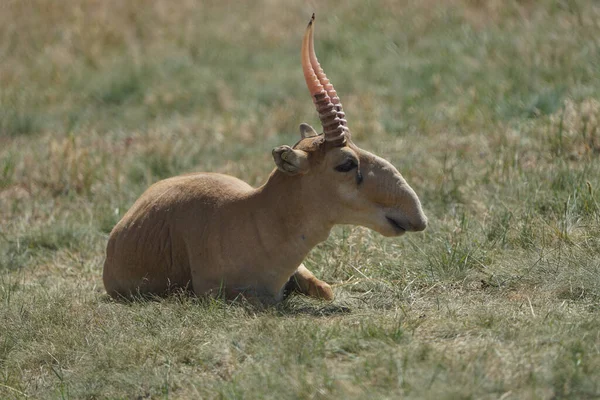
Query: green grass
[{"x": 490, "y": 109}]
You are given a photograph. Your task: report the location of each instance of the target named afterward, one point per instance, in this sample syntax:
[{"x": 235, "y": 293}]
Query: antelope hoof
[{"x": 321, "y": 290}]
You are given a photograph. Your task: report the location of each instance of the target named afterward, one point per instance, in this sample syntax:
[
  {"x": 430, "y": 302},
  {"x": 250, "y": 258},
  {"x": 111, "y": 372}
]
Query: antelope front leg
[{"x": 306, "y": 283}]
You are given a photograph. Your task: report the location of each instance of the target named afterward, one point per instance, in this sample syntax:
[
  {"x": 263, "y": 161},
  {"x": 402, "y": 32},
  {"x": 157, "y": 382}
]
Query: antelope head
[{"x": 355, "y": 186}]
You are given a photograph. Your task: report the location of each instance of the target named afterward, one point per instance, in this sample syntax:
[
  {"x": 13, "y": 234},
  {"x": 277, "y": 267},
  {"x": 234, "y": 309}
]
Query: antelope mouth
[{"x": 397, "y": 226}]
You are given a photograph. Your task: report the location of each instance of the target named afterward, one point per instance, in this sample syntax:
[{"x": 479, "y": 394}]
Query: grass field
[{"x": 490, "y": 109}]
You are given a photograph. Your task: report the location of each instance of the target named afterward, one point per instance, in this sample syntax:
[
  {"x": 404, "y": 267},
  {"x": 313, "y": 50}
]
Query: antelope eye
[{"x": 348, "y": 165}]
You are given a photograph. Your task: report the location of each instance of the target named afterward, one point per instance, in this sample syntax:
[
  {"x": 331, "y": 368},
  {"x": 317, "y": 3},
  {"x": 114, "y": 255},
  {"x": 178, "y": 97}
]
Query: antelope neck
[{"x": 289, "y": 214}]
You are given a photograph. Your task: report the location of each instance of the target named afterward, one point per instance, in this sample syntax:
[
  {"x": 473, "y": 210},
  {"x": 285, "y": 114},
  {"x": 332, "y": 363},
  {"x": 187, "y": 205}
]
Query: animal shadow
[
  {"x": 295, "y": 305},
  {"x": 295, "y": 308}
]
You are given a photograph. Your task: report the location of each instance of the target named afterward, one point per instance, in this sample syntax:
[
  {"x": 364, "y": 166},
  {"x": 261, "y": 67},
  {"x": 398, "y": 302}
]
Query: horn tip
[{"x": 312, "y": 19}]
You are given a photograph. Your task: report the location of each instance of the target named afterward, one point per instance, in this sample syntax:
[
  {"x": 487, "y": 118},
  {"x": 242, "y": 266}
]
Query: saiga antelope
[{"x": 216, "y": 235}]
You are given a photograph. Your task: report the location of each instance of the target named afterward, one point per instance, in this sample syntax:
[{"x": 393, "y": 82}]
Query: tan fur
[{"x": 215, "y": 234}]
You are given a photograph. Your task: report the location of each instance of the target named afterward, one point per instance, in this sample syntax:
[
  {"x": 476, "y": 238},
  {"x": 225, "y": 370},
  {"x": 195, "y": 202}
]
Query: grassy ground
[{"x": 490, "y": 109}]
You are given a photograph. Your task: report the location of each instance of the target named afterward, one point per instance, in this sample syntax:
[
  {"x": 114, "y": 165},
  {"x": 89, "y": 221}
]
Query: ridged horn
[{"x": 324, "y": 95}]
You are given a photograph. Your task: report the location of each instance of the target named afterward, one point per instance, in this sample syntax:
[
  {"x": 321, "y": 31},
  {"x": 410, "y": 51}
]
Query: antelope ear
[
  {"x": 290, "y": 161},
  {"x": 307, "y": 131}
]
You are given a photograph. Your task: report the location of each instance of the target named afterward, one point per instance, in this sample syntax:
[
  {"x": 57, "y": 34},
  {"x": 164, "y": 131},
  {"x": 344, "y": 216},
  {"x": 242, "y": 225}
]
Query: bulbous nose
[{"x": 420, "y": 224}]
